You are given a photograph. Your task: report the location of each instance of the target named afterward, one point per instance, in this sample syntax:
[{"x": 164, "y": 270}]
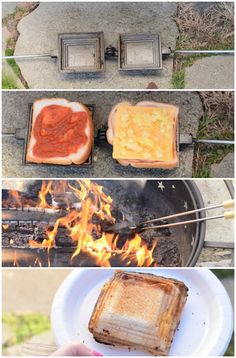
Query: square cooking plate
[
  {"x": 140, "y": 52},
  {"x": 81, "y": 52},
  {"x": 88, "y": 162},
  {"x": 85, "y": 52}
]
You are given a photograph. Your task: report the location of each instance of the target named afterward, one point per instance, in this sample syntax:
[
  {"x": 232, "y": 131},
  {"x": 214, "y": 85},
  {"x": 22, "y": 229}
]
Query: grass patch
[
  {"x": 217, "y": 123},
  {"x": 8, "y": 82},
  {"x": 178, "y": 76},
  {"x": 211, "y": 29},
  {"x": 223, "y": 273},
  {"x": 178, "y": 79},
  {"x": 19, "y": 12},
  {"x": 11, "y": 62},
  {"x": 230, "y": 350},
  {"x": 25, "y": 326},
  {"x": 207, "y": 155}
]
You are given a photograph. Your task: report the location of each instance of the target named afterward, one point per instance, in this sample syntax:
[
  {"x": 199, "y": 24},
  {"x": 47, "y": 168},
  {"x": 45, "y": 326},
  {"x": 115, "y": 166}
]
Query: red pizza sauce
[{"x": 59, "y": 131}]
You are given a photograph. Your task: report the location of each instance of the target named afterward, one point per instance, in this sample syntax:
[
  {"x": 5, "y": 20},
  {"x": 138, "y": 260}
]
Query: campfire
[{"x": 76, "y": 213}]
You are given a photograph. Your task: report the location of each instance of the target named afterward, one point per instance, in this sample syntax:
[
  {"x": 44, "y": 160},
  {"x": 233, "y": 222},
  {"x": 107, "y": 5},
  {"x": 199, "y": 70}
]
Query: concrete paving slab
[
  {"x": 215, "y": 192},
  {"x": 216, "y": 258},
  {"x": 39, "y": 31},
  {"x": 229, "y": 286},
  {"x": 215, "y": 72},
  {"x": 9, "y": 7},
  {"x": 224, "y": 169},
  {"x": 15, "y": 115}
]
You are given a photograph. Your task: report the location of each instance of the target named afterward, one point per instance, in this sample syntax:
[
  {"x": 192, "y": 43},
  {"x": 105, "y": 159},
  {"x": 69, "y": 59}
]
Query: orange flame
[
  {"x": 45, "y": 189},
  {"x": 37, "y": 262},
  {"x": 15, "y": 263},
  {"x": 15, "y": 198},
  {"x": 81, "y": 229},
  {"x": 5, "y": 226}
]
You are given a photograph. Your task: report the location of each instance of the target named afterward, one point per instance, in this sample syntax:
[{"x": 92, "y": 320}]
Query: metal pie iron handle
[
  {"x": 185, "y": 139},
  {"x": 19, "y": 134},
  {"x": 101, "y": 134},
  {"x": 111, "y": 53},
  {"x": 53, "y": 54},
  {"x": 188, "y": 139},
  {"x": 167, "y": 51}
]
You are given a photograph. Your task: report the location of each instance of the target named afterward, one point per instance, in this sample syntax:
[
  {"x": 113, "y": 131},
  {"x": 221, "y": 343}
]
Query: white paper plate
[{"x": 206, "y": 323}]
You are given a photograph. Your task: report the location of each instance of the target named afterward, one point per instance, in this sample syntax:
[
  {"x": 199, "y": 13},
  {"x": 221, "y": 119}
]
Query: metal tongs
[{"x": 127, "y": 227}]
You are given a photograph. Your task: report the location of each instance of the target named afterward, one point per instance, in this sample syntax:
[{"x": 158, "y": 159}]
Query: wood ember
[
  {"x": 166, "y": 252},
  {"x": 63, "y": 240}
]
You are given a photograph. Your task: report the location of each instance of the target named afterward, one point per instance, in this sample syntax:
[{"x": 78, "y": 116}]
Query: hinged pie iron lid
[
  {"x": 140, "y": 52},
  {"x": 81, "y": 52}
]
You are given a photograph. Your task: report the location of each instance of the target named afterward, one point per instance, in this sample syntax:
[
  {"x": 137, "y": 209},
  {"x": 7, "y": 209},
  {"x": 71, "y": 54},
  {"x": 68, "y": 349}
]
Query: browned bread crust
[{"x": 145, "y": 305}]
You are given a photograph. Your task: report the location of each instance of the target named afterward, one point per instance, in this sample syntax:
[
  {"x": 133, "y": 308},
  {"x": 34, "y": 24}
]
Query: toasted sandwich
[{"x": 139, "y": 310}]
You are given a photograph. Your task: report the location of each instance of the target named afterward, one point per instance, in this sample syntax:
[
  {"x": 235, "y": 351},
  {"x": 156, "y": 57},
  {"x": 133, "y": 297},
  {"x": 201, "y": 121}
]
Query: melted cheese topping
[{"x": 144, "y": 133}]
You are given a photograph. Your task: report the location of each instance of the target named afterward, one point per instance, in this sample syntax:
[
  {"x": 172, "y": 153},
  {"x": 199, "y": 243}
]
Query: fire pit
[{"x": 61, "y": 223}]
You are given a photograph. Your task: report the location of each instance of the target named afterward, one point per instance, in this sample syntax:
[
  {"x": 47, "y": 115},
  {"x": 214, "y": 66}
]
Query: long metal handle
[
  {"x": 26, "y": 56},
  {"x": 226, "y": 215},
  {"x": 226, "y": 52},
  {"x": 213, "y": 141},
  {"x": 225, "y": 204},
  {"x": 8, "y": 135}
]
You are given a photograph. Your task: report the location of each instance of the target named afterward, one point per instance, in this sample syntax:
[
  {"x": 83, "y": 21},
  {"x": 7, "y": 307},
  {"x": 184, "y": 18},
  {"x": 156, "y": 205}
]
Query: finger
[{"x": 75, "y": 349}]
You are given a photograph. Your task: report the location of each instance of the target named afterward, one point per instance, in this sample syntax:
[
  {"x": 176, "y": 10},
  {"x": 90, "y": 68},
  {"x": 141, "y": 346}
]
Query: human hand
[{"x": 75, "y": 349}]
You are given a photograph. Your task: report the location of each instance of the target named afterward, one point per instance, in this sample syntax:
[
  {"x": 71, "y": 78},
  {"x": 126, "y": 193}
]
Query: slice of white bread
[
  {"x": 139, "y": 310},
  {"x": 51, "y": 125},
  {"x": 141, "y": 162}
]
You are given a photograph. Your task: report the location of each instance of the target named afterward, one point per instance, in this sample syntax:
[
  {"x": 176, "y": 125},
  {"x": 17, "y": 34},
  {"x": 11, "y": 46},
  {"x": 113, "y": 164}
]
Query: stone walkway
[
  {"x": 224, "y": 169},
  {"x": 15, "y": 115},
  {"x": 216, "y": 72},
  {"x": 40, "y": 29},
  {"x": 9, "y": 7}
]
